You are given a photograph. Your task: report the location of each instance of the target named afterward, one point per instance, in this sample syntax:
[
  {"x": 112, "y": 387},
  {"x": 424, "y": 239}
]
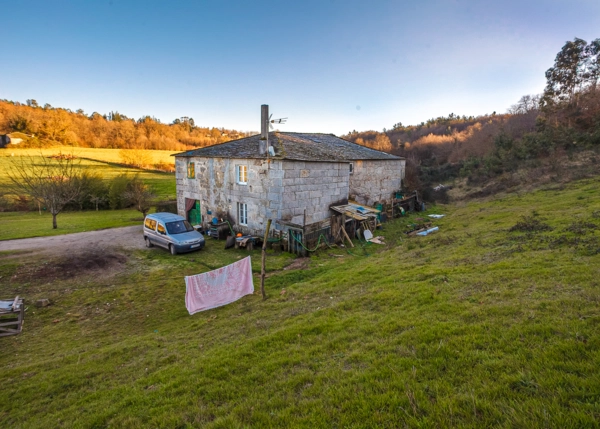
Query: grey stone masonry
[
  {"x": 281, "y": 189},
  {"x": 273, "y": 190},
  {"x": 375, "y": 181},
  {"x": 220, "y": 193},
  {"x": 312, "y": 186}
]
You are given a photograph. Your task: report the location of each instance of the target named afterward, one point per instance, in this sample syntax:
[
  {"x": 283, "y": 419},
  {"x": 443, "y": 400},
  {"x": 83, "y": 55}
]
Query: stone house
[{"x": 291, "y": 178}]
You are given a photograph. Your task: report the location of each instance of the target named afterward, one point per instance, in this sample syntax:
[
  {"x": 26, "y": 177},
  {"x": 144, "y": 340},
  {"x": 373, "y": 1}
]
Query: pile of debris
[
  {"x": 423, "y": 227},
  {"x": 354, "y": 220}
]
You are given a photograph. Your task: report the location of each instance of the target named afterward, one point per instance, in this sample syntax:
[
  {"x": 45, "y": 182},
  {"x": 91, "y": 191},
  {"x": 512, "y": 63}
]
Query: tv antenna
[{"x": 276, "y": 121}]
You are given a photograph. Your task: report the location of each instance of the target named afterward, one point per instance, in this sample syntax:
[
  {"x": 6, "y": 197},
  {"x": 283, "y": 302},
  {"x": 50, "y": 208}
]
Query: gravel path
[{"x": 129, "y": 237}]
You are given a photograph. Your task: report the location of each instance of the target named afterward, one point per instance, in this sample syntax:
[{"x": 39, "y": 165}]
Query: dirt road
[{"x": 129, "y": 237}]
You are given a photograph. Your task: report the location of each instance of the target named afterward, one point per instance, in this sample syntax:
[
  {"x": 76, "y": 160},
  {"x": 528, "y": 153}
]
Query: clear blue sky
[{"x": 327, "y": 65}]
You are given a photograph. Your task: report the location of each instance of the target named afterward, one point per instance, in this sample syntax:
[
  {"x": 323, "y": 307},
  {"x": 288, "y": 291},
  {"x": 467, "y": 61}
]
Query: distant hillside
[
  {"x": 448, "y": 139},
  {"x": 538, "y": 134},
  {"x": 49, "y": 125}
]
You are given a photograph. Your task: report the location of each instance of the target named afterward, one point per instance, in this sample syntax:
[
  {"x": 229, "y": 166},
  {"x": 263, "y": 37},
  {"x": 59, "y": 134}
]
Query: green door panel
[{"x": 195, "y": 215}]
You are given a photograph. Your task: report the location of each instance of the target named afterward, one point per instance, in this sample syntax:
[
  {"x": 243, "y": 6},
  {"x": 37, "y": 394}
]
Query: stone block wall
[
  {"x": 312, "y": 186},
  {"x": 375, "y": 181},
  {"x": 279, "y": 190},
  {"x": 216, "y": 187},
  {"x": 282, "y": 189}
]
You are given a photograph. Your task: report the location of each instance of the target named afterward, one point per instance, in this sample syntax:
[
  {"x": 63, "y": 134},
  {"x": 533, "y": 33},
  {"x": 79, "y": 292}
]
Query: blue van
[{"x": 172, "y": 232}]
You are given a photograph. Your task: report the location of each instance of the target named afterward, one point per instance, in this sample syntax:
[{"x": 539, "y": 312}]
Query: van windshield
[{"x": 179, "y": 227}]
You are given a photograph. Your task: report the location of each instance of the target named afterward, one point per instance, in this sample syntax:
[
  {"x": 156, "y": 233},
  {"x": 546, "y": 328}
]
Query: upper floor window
[
  {"x": 241, "y": 173},
  {"x": 351, "y": 168},
  {"x": 191, "y": 170}
]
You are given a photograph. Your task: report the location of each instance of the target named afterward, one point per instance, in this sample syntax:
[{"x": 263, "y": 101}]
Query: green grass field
[
  {"x": 473, "y": 326},
  {"x": 163, "y": 184},
  {"x": 32, "y": 224},
  {"x": 98, "y": 154}
]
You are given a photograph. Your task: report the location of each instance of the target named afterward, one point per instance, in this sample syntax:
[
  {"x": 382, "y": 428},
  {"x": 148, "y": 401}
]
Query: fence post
[{"x": 264, "y": 261}]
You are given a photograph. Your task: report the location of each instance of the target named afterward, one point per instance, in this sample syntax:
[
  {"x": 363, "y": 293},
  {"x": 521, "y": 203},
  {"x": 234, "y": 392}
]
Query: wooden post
[
  {"x": 344, "y": 231},
  {"x": 264, "y": 260}
]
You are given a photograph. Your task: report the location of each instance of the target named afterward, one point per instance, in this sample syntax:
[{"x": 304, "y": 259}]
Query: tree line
[{"x": 47, "y": 125}]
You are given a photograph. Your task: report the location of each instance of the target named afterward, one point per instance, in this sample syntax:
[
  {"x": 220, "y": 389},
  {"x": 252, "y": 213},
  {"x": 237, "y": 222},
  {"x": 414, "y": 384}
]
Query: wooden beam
[{"x": 346, "y": 235}]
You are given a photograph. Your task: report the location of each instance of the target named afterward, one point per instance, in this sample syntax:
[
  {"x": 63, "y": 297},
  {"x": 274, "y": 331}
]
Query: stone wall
[
  {"x": 375, "y": 181},
  {"x": 281, "y": 189},
  {"x": 216, "y": 187},
  {"x": 312, "y": 186}
]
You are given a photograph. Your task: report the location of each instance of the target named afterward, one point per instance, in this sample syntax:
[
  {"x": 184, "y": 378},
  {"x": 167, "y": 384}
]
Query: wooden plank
[
  {"x": 354, "y": 215},
  {"x": 372, "y": 209},
  {"x": 348, "y": 238}
]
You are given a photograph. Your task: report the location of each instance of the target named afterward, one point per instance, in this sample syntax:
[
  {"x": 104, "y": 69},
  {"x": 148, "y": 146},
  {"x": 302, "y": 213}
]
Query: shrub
[
  {"x": 530, "y": 224},
  {"x": 139, "y": 195},
  {"x": 166, "y": 206},
  {"x": 16, "y": 203},
  {"x": 94, "y": 192},
  {"x": 165, "y": 166},
  {"x": 136, "y": 157},
  {"x": 116, "y": 194}
]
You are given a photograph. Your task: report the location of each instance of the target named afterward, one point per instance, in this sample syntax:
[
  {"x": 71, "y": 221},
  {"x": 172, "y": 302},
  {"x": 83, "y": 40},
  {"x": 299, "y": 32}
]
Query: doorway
[{"x": 194, "y": 214}]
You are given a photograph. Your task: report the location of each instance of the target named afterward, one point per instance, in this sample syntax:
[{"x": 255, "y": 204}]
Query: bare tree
[
  {"x": 96, "y": 200},
  {"x": 527, "y": 103},
  {"x": 51, "y": 181},
  {"x": 139, "y": 194}
]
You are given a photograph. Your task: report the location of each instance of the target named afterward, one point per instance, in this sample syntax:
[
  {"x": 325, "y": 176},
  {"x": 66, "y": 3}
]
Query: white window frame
[
  {"x": 241, "y": 172},
  {"x": 242, "y": 211}
]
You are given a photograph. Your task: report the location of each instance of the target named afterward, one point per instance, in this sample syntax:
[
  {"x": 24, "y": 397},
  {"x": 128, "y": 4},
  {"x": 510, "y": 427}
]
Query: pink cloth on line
[{"x": 218, "y": 287}]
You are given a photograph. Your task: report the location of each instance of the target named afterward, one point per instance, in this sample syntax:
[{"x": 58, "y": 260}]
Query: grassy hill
[
  {"x": 102, "y": 161},
  {"x": 97, "y": 154},
  {"x": 492, "y": 321}
]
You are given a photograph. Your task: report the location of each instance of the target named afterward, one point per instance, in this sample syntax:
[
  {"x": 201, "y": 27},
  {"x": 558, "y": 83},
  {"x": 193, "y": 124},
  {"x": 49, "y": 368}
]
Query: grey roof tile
[{"x": 293, "y": 146}]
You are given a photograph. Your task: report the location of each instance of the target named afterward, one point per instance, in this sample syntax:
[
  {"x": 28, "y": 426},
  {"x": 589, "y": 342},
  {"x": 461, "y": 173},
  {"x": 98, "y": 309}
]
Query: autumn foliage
[{"x": 46, "y": 125}]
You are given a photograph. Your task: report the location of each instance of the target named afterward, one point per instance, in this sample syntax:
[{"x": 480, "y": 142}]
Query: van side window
[
  {"x": 161, "y": 229},
  {"x": 150, "y": 224}
]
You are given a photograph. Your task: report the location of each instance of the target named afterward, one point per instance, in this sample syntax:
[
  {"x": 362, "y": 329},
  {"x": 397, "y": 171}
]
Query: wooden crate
[{"x": 11, "y": 320}]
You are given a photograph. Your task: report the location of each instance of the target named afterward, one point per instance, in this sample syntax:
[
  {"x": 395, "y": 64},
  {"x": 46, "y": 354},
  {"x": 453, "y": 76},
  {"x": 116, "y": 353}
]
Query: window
[
  {"x": 161, "y": 229},
  {"x": 242, "y": 213},
  {"x": 241, "y": 173},
  {"x": 191, "y": 171},
  {"x": 351, "y": 168},
  {"x": 150, "y": 224},
  {"x": 179, "y": 227}
]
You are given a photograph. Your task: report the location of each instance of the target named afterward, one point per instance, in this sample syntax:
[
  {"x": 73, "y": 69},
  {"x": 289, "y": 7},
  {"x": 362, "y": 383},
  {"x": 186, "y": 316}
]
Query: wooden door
[{"x": 194, "y": 215}]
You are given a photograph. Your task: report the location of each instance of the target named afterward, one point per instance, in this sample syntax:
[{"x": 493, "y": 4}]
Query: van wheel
[
  {"x": 148, "y": 243},
  {"x": 172, "y": 249}
]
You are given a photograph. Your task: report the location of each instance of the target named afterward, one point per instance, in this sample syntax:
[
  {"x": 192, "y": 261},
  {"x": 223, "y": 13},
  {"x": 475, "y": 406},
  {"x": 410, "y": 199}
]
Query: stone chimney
[{"x": 264, "y": 130}]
